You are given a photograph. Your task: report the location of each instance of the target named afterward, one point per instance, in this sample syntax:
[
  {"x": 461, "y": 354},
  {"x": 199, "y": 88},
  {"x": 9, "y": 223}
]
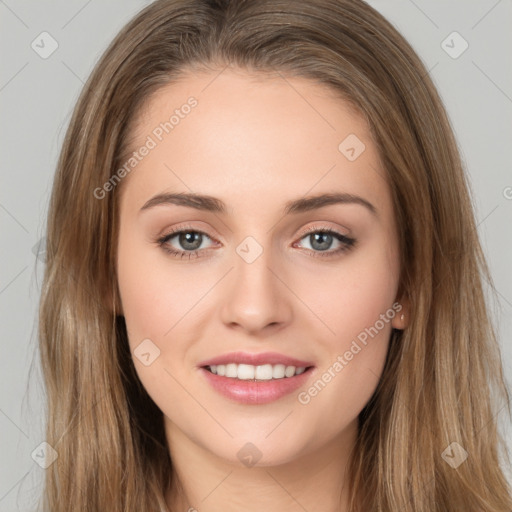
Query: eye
[
  {"x": 189, "y": 242},
  {"x": 321, "y": 240}
]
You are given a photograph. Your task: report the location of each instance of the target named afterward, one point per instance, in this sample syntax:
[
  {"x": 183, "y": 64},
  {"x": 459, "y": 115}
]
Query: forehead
[{"x": 242, "y": 136}]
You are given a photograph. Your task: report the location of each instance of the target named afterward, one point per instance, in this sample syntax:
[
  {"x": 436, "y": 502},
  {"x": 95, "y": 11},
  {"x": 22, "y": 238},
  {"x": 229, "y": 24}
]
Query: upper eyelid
[
  {"x": 304, "y": 232},
  {"x": 316, "y": 229},
  {"x": 184, "y": 229}
]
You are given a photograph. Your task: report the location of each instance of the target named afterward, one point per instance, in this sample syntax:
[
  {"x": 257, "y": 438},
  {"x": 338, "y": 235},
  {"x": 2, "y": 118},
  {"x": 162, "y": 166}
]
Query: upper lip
[{"x": 256, "y": 359}]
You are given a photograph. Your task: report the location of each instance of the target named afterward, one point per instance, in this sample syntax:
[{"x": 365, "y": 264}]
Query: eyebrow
[{"x": 215, "y": 205}]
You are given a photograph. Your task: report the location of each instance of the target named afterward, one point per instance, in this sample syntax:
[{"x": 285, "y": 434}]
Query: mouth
[
  {"x": 255, "y": 379},
  {"x": 249, "y": 384}
]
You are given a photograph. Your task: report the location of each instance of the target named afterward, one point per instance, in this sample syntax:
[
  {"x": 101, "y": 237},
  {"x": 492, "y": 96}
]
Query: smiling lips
[{"x": 255, "y": 378}]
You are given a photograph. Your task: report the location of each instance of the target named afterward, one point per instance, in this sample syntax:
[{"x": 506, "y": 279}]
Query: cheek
[
  {"x": 155, "y": 295},
  {"x": 350, "y": 296},
  {"x": 137, "y": 291},
  {"x": 344, "y": 385}
]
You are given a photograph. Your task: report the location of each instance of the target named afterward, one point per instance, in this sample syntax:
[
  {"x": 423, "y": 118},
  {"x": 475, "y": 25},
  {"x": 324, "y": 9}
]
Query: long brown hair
[{"x": 443, "y": 376}]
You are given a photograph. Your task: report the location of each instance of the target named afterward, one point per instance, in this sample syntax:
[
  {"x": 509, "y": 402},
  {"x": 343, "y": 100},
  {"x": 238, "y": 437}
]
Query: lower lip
[{"x": 255, "y": 392}]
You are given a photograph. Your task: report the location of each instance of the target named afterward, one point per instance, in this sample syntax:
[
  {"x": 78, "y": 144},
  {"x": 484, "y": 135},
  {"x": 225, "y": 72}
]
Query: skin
[{"x": 256, "y": 142}]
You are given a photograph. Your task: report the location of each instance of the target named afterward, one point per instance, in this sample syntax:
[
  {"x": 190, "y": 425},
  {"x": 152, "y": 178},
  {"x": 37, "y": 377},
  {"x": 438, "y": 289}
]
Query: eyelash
[{"x": 347, "y": 242}]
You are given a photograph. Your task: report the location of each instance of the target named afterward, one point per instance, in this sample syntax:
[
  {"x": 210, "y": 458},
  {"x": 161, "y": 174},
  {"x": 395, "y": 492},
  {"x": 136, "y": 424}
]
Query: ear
[{"x": 402, "y": 318}]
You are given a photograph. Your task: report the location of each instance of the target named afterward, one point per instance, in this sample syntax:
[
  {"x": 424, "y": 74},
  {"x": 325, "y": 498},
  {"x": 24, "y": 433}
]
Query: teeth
[
  {"x": 263, "y": 372},
  {"x": 250, "y": 372},
  {"x": 278, "y": 371},
  {"x": 231, "y": 370}
]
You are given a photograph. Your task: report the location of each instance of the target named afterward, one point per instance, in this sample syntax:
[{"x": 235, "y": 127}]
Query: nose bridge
[{"x": 256, "y": 297}]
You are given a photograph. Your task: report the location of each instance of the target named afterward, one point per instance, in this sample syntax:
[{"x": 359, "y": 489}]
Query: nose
[{"x": 256, "y": 298}]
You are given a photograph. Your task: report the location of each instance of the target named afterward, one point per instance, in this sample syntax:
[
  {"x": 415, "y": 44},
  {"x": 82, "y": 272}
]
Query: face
[{"x": 256, "y": 271}]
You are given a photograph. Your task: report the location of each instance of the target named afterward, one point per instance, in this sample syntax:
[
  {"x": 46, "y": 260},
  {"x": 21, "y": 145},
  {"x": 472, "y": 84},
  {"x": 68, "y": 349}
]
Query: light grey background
[{"x": 36, "y": 98}]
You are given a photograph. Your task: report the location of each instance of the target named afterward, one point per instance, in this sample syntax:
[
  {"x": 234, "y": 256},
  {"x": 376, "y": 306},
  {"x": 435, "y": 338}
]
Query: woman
[{"x": 263, "y": 285}]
